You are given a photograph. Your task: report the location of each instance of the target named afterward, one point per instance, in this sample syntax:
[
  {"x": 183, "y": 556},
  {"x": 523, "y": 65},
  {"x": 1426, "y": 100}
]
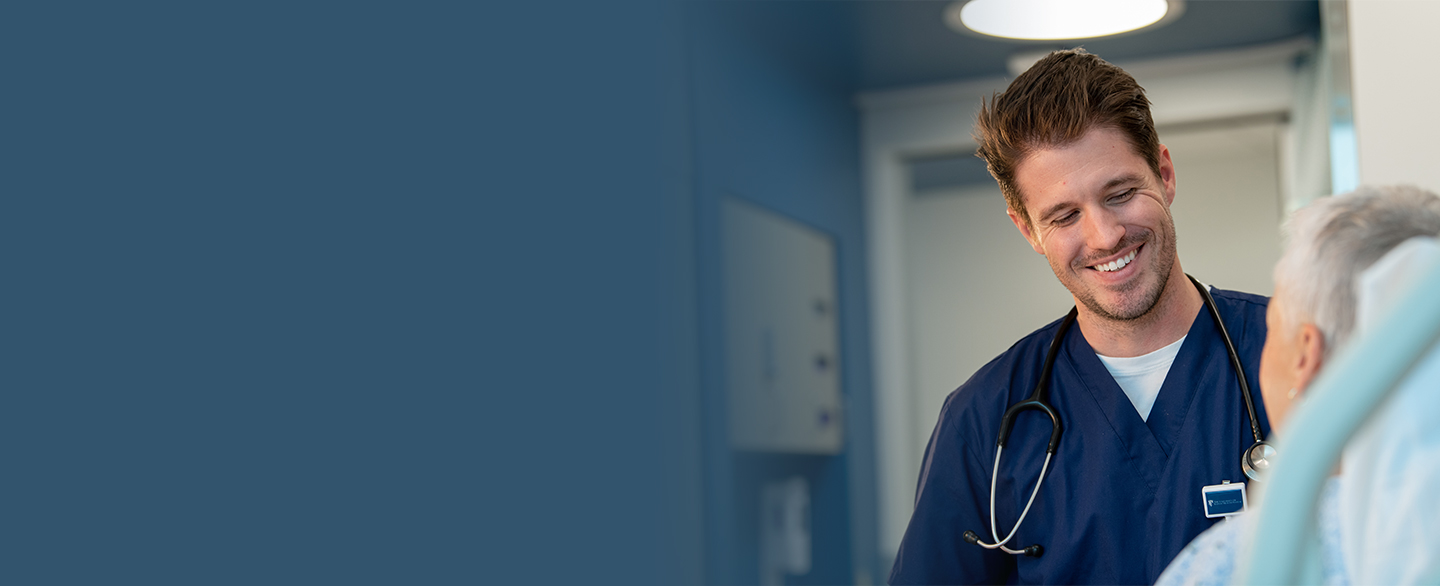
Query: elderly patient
[{"x": 1313, "y": 312}]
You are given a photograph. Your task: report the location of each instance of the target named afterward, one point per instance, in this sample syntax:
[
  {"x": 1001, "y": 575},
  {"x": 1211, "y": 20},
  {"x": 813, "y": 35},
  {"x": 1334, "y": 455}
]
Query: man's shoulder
[
  {"x": 1016, "y": 367},
  {"x": 1244, "y": 314},
  {"x": 1240, "y": 297},
  {"x": 1241, "y": 305}
]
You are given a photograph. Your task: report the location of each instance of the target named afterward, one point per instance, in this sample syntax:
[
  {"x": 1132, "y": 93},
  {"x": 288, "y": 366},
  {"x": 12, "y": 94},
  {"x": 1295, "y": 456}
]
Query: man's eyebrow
[{"x": 1121, "y": 180}]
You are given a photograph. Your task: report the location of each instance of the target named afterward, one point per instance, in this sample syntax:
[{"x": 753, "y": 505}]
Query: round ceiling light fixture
[{"x": 1050, "y": 20}]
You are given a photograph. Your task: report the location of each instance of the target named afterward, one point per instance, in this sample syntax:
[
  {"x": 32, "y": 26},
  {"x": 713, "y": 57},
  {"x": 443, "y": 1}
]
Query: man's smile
[{"x": 1116, "y": 264}]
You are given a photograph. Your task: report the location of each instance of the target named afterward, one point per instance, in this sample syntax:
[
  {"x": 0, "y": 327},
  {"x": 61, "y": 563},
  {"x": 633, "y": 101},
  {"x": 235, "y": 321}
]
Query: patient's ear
[{"x": 1310, "y": 357}]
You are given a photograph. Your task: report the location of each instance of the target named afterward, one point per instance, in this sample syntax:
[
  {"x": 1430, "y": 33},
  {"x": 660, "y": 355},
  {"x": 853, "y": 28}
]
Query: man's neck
[{"x": 1167, "y": 322}]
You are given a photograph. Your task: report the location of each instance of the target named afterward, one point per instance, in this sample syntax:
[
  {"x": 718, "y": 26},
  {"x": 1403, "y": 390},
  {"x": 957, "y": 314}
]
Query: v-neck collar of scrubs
[{"x": 1150, "y": 443}]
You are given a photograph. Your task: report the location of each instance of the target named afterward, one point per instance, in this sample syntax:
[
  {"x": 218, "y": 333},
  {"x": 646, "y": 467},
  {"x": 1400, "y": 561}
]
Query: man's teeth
[{"x": 1116, "y": 265}]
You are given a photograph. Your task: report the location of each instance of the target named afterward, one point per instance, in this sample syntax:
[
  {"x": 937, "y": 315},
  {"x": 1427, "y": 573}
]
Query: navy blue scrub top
[{"x": 1122, "y": 496}]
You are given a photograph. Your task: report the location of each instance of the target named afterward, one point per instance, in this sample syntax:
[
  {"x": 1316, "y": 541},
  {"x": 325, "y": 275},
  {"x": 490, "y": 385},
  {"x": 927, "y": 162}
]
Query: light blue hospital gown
[{"x": 1210, "y": 557}]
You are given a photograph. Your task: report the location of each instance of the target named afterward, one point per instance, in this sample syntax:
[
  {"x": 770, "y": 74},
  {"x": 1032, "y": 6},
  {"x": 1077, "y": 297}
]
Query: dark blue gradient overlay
[{"x": 347, "y": 292}]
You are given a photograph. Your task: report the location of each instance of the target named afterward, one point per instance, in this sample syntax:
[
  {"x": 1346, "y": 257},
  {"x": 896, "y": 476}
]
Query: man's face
[{"x": 1102, "y": 219}]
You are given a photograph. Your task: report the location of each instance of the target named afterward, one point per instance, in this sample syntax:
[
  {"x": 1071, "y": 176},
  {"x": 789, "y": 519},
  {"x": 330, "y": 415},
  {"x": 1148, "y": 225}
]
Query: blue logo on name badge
[{"x": 1224, "y": 502}]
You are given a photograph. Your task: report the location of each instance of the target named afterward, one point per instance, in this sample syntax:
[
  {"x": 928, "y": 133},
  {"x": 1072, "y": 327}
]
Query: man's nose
[{"x": 1103, "y": 231}]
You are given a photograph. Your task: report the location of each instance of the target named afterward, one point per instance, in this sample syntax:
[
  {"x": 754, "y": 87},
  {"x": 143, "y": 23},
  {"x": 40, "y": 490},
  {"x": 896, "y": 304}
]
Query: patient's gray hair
[{"x": 1331, "y": 241}]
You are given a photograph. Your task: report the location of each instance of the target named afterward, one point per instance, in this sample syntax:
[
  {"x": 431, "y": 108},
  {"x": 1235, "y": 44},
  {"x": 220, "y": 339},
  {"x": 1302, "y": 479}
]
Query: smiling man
[{"x": 1147, "y": 407}]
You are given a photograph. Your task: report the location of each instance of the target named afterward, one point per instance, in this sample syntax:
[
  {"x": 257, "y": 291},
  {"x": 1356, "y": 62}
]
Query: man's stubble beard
[{"x": 1145, "y": 301}]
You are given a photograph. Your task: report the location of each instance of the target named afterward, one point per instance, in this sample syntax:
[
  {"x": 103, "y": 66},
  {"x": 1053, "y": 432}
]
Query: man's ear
[
  {"x": 1025, "y": 229},
  {"x": 1167, "y": 174},
  {"x": 1311, "y": 355}
]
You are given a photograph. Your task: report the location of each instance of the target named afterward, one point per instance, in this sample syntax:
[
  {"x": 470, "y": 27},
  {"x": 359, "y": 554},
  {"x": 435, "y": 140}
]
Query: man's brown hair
[{"x": 1053, "y": 104}]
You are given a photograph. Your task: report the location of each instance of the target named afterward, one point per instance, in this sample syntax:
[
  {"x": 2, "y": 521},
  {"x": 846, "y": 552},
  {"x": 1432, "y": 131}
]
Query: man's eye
[
  {"x": 1067, "y": 218},
  {"x": 1124, "y": 195}
]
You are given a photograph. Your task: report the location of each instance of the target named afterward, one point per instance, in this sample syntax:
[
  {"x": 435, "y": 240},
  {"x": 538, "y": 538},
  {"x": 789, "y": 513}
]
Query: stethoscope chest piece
[{"x": 1258, "y": 458}]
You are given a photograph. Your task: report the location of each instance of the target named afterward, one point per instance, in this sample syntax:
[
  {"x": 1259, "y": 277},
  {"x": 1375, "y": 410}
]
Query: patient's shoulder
[{"x": 1208, "y": 559}]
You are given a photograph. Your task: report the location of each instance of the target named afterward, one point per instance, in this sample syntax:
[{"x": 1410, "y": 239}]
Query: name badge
[{"x": 1224, "y": 499}]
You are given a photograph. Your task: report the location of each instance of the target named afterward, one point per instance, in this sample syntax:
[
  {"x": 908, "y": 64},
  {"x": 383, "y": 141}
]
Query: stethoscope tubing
[
  {"x": 1234, "y": 359},
  {"x": 995, "y": 473}
]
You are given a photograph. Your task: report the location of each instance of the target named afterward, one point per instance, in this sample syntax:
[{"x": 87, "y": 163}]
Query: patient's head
[{"x": 1328, "y": 244}]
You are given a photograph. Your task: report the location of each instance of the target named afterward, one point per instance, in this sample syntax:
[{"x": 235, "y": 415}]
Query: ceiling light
[{"x": 1058, "y": 19}]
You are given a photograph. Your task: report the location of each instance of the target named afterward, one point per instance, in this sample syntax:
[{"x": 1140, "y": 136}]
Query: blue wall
[{"x": 774, "y": 123}]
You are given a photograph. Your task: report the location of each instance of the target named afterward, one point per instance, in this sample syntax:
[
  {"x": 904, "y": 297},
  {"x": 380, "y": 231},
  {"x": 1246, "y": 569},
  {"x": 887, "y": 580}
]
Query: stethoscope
[{"x": 1255, "y": 459}]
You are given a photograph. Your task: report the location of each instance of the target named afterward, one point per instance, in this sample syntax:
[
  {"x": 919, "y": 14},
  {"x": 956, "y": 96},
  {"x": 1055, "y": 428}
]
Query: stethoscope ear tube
[
  {"x": 1034, "y": 550},
  {"x": 1038, "y": 402}
]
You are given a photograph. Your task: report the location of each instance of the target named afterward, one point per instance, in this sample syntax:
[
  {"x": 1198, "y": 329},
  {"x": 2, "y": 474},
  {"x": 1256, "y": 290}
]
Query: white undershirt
[{"x": 1141, "y": 376}]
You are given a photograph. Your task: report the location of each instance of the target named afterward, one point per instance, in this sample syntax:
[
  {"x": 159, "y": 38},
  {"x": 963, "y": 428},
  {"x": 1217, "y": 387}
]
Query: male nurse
[{"x": 1150, "y": 406}]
